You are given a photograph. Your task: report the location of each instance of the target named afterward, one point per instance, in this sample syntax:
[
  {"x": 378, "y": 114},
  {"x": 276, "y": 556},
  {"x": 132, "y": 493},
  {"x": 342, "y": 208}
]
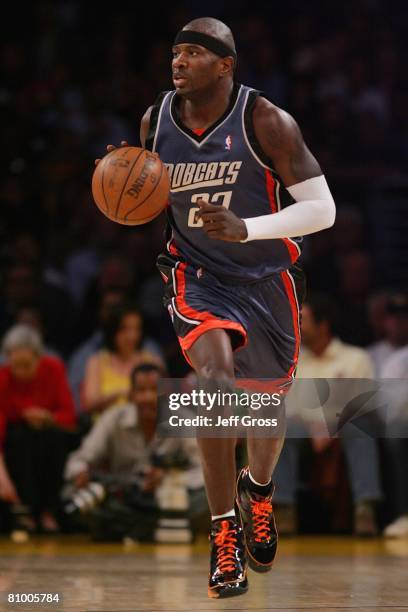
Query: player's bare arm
[
  {"x": 145, "y": 125},
  {"x": 282, "y": 142}
]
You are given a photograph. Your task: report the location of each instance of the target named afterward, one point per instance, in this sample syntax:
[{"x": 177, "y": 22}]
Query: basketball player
[{"x": 244, "y": 187}]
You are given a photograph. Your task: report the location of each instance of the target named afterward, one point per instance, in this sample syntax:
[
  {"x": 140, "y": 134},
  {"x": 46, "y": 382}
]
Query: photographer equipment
[{"x": 87, "y": 498}]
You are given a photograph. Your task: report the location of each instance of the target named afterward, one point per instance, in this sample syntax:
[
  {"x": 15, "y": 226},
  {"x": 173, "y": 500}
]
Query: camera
[{"x": 86, "y": 499}]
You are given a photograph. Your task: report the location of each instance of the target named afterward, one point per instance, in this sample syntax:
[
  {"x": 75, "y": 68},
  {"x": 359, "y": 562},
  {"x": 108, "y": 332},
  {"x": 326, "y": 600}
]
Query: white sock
[
  {"x": 230, "y": 513},
  {"x": 260, "y": 484}
]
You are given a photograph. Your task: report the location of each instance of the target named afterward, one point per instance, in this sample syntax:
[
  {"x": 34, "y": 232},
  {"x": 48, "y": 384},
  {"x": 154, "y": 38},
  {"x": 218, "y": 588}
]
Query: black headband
[{"x": 209, "y": 42}]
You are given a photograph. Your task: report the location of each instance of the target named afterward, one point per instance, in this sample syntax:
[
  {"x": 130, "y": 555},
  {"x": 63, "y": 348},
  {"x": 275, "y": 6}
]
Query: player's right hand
[{"x": 110, "y": 148}]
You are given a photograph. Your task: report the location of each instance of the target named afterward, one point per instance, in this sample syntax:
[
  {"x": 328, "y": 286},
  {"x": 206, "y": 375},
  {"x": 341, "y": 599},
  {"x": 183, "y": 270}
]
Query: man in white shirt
[
  {"x": 124, "y": 449},
  {"x": 396, "y": 450},
  {"x": 325, "y": 356},
  {"x": 395, "y": 324}
]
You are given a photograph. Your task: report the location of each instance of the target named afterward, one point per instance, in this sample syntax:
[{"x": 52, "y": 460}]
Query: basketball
[{"x": 131, "y": 185}]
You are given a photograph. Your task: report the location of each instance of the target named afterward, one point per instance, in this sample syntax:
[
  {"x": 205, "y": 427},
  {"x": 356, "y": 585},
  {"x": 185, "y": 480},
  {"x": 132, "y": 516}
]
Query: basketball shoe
[
  {"x": 228, "y": 565},
  {"x": 261, "y": 536}
]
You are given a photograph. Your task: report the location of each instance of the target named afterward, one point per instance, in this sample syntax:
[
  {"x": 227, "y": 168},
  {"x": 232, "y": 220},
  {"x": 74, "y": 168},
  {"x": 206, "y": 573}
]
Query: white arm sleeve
[{"x": 313, "y": 211}]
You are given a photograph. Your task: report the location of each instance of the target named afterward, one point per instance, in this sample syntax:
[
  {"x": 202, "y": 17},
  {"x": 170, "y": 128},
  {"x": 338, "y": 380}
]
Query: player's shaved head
[
  {"x": 212, "y": 62},
  {"x": 212, "y": 27}
]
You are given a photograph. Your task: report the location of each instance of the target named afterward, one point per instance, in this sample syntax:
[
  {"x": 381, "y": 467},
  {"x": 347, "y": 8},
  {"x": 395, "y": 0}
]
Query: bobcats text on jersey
[{"x": 186, "y": 176}]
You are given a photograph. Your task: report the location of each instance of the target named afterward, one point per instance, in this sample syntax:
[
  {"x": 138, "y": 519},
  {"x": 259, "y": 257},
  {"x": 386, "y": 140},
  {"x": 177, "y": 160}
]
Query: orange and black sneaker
[
  {"x": 228, "y": 565},
  {"x": 261, "y": 536}
]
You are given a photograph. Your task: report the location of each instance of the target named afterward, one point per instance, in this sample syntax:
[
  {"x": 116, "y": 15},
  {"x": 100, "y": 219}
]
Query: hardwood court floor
[{"x": 333, "y": 574}]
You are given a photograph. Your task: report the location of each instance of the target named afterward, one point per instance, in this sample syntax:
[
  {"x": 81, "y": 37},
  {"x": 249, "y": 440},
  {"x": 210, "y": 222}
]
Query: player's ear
[{"x": 226, "y": 66}]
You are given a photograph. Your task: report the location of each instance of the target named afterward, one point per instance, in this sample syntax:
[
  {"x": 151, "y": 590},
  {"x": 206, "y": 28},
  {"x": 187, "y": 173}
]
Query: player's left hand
[{"x": 221, "y": 223}]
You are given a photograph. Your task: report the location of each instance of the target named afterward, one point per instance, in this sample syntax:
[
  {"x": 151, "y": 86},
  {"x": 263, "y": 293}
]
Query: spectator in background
[
  {"x": 325, "y": 356},
  {"x": 377, "y": 314},
  {"x": 109, "y": 299},
  {"x": 355, "y": 281},
  {"x": 396, "y": 449},
  {"x": 31, "y": 317},
  {"x": 395, "y": 332},
  {"x": 107, "y": 375},
  {"x": 326, "y": 249},
  {"x": 36, "y": 407},
  {"x": 115, "y": 275},
  {"x": 124, "y": 450},
  {"x": 26, "y": 286}
]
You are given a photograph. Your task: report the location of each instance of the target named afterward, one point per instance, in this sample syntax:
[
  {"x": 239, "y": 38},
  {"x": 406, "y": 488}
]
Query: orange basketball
[{"x": 131, "y": 185}]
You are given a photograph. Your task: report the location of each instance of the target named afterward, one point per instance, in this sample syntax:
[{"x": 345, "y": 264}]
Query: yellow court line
[{"x": 299, "y": 546}]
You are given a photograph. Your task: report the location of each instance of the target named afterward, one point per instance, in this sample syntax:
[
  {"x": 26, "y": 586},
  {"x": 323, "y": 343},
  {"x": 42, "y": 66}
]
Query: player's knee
[
  {"x": 214, "y": 371},
  {"x": 211, "y": 356}
]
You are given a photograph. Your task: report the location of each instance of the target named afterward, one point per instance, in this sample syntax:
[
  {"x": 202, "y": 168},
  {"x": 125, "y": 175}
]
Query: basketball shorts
[{"x": 262, "y": 318}]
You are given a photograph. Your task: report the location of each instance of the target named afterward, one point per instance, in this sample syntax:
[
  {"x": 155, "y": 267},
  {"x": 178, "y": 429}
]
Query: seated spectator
[
  {"x": 355, "y": 282},
  {"x": 124, "y": 451},
  {"x": 36, "y": 407},
  {"x": 377, "y": 314},
  {"x": 107, "y": 375},
  {"x": 325, "y": 356},
  {"x": 395, "y": 331},
  {"x": 115, "y": 275},
  {"x": 396, "y": 453},
  {"x": 109, "y": 300},
  {"x": 30, "y": 316}
]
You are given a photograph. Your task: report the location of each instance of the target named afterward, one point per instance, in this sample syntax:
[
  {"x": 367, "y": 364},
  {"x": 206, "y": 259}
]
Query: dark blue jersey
[{"x": 224, "y": 166}]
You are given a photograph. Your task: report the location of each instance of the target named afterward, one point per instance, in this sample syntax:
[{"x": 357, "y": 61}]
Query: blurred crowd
[{"x": 80, "y": 303}]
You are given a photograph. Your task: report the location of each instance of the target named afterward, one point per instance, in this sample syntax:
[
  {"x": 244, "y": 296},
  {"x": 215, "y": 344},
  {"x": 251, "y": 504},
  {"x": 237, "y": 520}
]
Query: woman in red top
[{"x": 36, "y": 407}]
